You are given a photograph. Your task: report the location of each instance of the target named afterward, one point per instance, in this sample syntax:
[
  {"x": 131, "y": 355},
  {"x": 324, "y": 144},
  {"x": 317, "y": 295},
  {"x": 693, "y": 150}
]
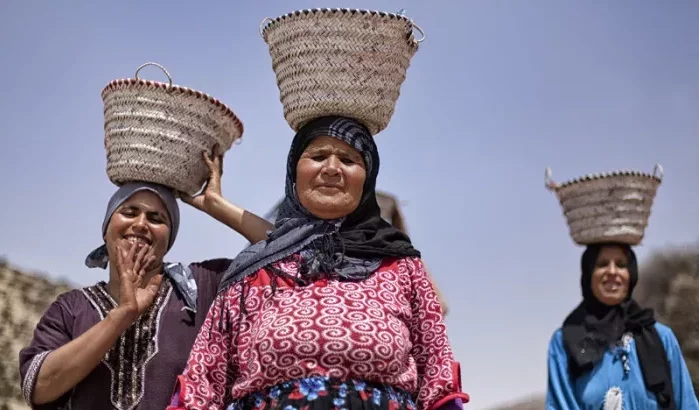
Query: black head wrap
[
  {"x": 593, "y": 327},
  {"x": 351, "y": 247}
]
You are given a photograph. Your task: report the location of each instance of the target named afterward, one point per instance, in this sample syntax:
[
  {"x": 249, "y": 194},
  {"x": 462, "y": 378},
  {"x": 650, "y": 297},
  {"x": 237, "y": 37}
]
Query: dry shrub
[{"x": 669, "y": 283}]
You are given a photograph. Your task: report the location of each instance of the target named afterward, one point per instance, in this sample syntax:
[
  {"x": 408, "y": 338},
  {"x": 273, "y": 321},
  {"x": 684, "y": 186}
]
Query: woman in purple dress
[{"x": 120, "y": 344}]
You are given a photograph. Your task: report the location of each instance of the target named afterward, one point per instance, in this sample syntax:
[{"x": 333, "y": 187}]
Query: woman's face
[
  {"x": 141, "y": 220},
  {"x": 330, "y": 178},
  {"x": 610, "y": 278}
]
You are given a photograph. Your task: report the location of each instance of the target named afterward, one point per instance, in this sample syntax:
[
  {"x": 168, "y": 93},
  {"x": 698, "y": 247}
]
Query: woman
[
  {"x": 120, "y": 344},
  {"x": 334, "y": 310},
  {"x": 610, "y": 353}
]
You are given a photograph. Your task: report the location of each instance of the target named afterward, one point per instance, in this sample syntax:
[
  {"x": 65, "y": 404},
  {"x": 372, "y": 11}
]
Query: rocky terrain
[{"x": 23, "y": 298}]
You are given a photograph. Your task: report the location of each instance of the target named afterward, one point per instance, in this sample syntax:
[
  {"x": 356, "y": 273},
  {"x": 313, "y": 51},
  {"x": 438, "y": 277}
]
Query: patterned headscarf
[{"x": 351, "y": 247}]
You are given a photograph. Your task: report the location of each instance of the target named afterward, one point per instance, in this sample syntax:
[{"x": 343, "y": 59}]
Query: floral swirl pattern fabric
[{"x": 386, "y": 329}]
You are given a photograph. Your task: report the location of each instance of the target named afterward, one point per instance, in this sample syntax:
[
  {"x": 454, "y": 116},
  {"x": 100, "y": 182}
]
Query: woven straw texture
[
  {"x": 340, "y": 62},
  {"x": 610, "y": 207},
  {"x": 156, "y": 132}
]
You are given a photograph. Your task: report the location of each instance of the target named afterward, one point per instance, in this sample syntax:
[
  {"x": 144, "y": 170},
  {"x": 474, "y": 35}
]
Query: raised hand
[
  {"x": 211, "y": 194},
  {"x": 132, "y": 265}
]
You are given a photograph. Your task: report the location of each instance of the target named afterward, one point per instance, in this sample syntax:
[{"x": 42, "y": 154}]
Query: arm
[
  {"x": 439, "y": 375},
  {"x": 52, "y": 332},
  {"x": 681, "y": 379},
  {"x": 440, "y": 297},
  {"x": 204, "y": 384},
  {"x": 63, "y": 368},
  {"x": 251, "y": 226},
  {"x": 559, "y": 395},
  {"x": 212, "y": 202},
  {"x": 65, "y": 363}
]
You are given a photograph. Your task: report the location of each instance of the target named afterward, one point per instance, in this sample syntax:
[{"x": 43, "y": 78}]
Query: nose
[
  {"x": 140, "y": 225},
  {"x": 613, "y": 269},
  {"x": 332, "y": 166}
]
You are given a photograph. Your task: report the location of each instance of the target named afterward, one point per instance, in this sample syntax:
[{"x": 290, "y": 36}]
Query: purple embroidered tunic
[{"x": 139, "y": 372}]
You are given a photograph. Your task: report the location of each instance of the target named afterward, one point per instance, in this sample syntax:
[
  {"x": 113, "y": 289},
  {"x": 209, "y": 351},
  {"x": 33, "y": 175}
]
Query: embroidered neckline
[{"x": 128, "y": 358}]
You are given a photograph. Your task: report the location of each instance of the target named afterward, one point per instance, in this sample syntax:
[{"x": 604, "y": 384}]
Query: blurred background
[{"x": 498, "y": 91}]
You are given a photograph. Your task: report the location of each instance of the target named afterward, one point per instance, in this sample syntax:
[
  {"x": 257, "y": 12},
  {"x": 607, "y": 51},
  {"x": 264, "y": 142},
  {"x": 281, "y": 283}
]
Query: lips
[
  {"x": 330, "y": 186},
  {"x": 138, "y": 240},
  {"x": 611, "y": 285}
]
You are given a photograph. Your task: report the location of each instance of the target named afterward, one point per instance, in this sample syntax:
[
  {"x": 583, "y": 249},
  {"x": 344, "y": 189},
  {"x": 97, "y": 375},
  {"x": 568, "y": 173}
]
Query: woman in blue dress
[{"x": 610, "y": 353}]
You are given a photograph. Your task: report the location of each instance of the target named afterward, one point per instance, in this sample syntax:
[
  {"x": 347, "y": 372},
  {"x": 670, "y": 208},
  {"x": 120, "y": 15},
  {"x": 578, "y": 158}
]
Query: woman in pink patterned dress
[{"x": 335, "y": 310}]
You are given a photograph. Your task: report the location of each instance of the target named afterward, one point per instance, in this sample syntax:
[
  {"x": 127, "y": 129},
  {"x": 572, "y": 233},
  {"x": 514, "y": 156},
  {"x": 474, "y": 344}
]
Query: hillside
[{"x": 23, "y": 298}]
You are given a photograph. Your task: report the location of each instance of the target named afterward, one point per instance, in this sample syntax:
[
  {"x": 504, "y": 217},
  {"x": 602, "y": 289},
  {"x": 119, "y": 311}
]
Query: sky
[{"x": 498, "y": 91}]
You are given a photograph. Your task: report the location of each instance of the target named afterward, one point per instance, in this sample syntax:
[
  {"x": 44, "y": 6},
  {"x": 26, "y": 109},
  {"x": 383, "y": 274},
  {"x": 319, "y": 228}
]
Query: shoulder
[
  {"x": 211, "y": 266},
  {"x": 556, "y": 342},
  {"x": 410, "y": 265},
  {"x": 70, "y": 302},
  {"x": 666, "y": 335},
  {"x": 209, "y": 271}
]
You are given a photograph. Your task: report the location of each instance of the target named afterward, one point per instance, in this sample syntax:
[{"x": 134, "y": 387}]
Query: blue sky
[{"x": 498, "y": 91}]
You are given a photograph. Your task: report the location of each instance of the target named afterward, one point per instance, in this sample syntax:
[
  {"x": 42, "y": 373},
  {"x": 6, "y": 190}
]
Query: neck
[{"x": 114, "y": 284}]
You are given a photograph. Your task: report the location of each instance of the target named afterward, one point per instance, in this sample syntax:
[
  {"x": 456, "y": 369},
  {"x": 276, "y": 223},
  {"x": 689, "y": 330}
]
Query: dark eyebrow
[
  {"x": 329, "y": 150},
  {"x": 136, "y": 208}
]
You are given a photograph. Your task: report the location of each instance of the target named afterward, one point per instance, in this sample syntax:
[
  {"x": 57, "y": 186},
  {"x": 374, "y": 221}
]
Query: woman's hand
[
  {"x": 212, "y": 202},
  {"x": 211, "y": 196},
  {"x": 132, "y": 265}
]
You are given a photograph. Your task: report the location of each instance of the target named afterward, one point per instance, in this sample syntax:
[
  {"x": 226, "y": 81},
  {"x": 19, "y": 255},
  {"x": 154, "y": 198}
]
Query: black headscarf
[
  {"x": 351, "y": 247},
  {"x": 593, "y": 326}
]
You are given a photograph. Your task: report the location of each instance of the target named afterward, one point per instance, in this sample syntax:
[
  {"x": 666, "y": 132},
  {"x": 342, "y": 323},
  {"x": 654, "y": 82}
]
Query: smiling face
[
  {"x": 141, "y": 220},
  {"x": 610, "y": 278},
  {"x": 330, "y": 178}
]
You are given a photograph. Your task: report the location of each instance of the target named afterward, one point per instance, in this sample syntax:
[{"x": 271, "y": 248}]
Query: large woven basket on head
[
  {"x": 340, "y": 62},
  {"x": 156, "y": 132},
  {"x": 609, "y": 207}
]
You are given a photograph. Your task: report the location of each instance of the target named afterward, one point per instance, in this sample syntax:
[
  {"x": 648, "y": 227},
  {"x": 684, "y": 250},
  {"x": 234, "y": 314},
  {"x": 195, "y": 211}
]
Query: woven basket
[
  {"x": 156, "y": 132},
  {"x": 610, "y": 207},
  {"x": 340, "y": 62}
]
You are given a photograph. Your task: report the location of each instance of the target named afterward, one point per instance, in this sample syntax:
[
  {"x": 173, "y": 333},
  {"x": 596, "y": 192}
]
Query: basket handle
[
  {"x": 169, "y": 78},
  {"x": 550, "y": 184},
  {"x": 263, "y": 23},
  {"x": 422, "y": 33},
  {"x": 658, "y": 171}
]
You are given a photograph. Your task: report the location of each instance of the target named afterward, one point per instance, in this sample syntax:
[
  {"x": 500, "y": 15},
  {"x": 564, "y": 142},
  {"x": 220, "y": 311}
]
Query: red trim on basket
[{"x": 129, "y": 82}]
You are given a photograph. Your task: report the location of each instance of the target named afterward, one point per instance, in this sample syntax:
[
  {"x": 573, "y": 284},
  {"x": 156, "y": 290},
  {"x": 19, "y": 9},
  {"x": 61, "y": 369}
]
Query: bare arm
[
  {"x": 251, "y": 226},
  {"x": 212, "y": 202}
]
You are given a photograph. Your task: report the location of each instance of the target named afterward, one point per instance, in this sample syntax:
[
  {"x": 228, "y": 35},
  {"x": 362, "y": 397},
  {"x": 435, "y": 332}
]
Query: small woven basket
[
  {"x": 609, "y": 207},
  {"x": 156, "y": 132},
  {"x": 340, "y": 62}
]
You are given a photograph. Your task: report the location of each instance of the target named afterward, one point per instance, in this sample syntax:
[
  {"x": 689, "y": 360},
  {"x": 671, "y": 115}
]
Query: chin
[{"x": 612, "y": 300}]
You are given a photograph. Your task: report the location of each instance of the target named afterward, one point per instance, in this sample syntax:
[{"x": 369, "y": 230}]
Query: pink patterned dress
[{"x": 332, "y": 344}]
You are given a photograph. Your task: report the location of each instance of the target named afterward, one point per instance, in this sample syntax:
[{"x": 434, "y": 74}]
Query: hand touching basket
[
  {"x": 156, "y": 132},
  {"x": 340, "y": 62},
  {"x": 609, "y": 207}
]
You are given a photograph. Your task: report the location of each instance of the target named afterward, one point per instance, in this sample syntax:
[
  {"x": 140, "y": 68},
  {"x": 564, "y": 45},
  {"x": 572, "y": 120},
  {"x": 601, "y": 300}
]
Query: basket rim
[
  {"x": 271, "y": 22},
  {"x": 158, "y": 85},
  {"x": 606, "y": 175}
]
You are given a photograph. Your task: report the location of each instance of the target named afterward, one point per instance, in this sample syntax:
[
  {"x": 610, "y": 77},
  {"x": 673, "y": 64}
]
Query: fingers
[
  {"x": 214, "y": 161},
  {"x": 120, "y": 259},
  {"x": 186, "y": 198},
  {"x": 139, "y": 263},
  {"x": 154, "y": 285},
  {"x": 131, "y": 255}
]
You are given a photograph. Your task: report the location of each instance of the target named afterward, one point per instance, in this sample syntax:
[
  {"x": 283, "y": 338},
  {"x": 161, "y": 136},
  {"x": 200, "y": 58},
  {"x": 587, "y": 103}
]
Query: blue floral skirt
[{"x": 322, "y": 393}]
